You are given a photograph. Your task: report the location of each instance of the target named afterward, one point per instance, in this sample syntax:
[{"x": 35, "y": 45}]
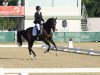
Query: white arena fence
[
  {"x": 11, "y": 36},
  {"x": 27, "y": 71}
]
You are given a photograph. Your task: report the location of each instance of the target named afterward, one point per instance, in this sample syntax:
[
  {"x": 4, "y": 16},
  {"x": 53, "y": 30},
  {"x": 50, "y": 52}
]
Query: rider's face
[{"x": 38, "y": 10}]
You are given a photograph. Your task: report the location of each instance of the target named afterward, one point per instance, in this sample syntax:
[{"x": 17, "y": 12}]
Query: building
[
  {"x": 93, "y": 24},
  {"x": 12, "y": 16}
]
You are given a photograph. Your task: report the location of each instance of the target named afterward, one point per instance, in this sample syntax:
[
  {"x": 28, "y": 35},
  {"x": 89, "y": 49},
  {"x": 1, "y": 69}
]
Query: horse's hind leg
[{"x": 31, "y": 52}]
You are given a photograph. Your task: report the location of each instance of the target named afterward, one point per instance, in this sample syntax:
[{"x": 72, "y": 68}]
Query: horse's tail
[{"x": 19, "y": 37}]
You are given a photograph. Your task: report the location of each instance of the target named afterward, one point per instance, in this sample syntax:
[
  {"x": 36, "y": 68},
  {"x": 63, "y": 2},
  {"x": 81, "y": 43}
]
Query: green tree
[
  {"x": 97, "y": 10},
  {"x": 93, "y": 7}
]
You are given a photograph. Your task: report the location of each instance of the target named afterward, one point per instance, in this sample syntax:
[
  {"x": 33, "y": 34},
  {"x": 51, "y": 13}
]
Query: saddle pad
[{"x": 34, "y": 31}]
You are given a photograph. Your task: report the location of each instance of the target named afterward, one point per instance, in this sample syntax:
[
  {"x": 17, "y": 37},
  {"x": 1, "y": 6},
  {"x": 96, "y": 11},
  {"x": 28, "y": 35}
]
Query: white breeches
[{"x": 38, "y": 26}]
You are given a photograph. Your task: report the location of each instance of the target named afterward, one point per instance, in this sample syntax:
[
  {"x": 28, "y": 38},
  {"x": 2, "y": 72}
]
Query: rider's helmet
[{"x": 38, "y": 8}]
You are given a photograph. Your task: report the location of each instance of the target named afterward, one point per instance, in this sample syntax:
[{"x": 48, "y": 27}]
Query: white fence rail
[{"x": 27, "y": 71}]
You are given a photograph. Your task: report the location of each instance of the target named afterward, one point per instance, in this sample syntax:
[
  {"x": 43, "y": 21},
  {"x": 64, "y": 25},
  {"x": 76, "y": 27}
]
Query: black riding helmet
[{"x": 38, "y": 8}]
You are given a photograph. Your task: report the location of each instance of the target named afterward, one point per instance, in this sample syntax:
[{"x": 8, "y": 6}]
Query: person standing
[
  {"x": 5, "y": 3},
  {"x": 19, "y": 3},
  {"x": 38, "y": 19}
]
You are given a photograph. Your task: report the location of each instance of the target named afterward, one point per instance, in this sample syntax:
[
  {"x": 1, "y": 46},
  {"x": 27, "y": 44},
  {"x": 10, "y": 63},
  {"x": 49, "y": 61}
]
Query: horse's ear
[{"x": 56, "y": 18}]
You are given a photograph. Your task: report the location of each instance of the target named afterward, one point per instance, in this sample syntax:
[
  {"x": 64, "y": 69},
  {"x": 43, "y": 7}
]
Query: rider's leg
[{"x": 38, "y": 27}]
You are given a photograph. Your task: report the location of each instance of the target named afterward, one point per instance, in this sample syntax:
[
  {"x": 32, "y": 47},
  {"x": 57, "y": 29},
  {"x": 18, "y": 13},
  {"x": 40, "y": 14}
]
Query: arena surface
[{"x": 18, "y": 57}]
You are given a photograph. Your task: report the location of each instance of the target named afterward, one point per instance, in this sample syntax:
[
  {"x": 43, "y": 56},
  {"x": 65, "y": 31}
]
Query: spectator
[
  {"x": 19, "y": 3},
  {"x": 5, "y": 3},
  {"x": 9, "y": 29}
]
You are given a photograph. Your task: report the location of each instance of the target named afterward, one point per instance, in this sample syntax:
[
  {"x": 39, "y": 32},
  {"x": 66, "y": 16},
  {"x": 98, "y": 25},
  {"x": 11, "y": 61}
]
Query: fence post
[{"x": 15, "y": 36}]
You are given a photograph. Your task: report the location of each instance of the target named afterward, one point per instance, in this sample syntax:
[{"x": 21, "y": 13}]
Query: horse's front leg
[
  {"x": 47, "y": 43},
  {"x": 31, "y": 52},
  {"x": 51, "y": 40}
]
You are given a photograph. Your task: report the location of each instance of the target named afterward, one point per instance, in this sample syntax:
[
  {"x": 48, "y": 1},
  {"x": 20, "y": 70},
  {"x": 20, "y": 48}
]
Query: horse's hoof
[
  {"x": 33, "y": 57},
  {"x": 56, "y": 54},
  {"x": 46, "y": 51}
]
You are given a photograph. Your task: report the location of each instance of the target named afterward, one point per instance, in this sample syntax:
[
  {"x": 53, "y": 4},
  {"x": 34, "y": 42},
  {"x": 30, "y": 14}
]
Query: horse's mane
[{"x": 47, "y": 24}]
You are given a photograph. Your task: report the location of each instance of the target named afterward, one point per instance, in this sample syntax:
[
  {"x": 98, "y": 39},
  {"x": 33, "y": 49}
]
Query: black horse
[{"x": 46, "y": 36}]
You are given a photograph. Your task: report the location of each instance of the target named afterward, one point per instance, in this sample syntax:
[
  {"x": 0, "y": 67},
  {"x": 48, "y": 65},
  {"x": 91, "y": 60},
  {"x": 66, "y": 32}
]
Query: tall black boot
[{"x": 39, "y": 32}]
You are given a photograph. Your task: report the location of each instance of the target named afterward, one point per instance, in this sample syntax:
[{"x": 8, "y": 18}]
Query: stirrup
[
  {"x": 40, "y": 33},
  {"x": 38, "y": 38}
]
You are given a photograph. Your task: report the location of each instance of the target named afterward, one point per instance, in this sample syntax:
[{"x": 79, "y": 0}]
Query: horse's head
[{"x": 52, "y": 22}]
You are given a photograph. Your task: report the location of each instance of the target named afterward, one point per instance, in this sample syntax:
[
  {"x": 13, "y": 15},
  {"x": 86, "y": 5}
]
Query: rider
[{"x": 38, "y": 19}]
